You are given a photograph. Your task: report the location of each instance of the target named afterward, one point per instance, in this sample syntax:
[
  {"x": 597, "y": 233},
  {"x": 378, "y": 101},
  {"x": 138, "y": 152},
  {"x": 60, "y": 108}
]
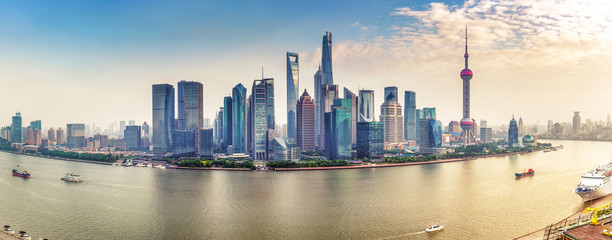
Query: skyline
[{"x": 417, "y": 48}]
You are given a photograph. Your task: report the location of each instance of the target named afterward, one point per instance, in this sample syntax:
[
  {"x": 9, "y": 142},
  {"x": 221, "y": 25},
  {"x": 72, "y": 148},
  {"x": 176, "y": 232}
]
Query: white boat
[
  {"x": 596, "y": 183},
  {"x": 24, "y": 236},
  {"x": 7, "y": 229},
  {"x": 433, "y": 227},
  {"x": 149, "y": 165},
  {"x": 71, "y": 177},
  {"x": 161, "y": 166},
  {"x": 140, "y": 165}
]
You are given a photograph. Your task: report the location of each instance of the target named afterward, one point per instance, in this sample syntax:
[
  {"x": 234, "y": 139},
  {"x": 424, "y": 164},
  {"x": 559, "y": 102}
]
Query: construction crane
[{"x": 595, "y": 211}]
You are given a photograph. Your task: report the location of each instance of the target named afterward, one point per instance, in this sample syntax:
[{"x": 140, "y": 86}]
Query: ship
[
  {"x": 24, "y": 174},
  {"x": 527, "y": 173},
  {"x": 596, "y": 183},
  {"x": 71, "y": 177}
]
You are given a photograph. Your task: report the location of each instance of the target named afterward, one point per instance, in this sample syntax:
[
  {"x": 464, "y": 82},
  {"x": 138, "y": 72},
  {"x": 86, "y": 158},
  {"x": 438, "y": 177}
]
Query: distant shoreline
[{"x": 301, "y": 169}]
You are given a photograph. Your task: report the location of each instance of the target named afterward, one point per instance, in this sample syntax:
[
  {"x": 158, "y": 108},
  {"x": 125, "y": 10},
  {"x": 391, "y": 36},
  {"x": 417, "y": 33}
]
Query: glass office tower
[
  {"x": 410, "y": 119},
  {"x": 292, "y": 92},
  {"x": 190, "y": 105},
  {"x": 366, "y": 106},
  {"x": 239, "y": 118},
  {"x": 326, "y": 58},
  {"x": 163, "y": 117}
]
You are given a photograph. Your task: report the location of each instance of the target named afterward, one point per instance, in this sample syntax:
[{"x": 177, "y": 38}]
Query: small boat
[
  {"x": 71, "y": 177},
  {"x": 527, "y": 173},
  {"x": 7, "y": 229},
  {"x": 140, "y": 165},
  {"x": 547, "y": 150},
  {"x": 149, "y": 165},
  {"x": 24, "y": 174},
  {"x": 433, "y": 227},
  {"x": 161, "y": 166},
  {"x": 116, "y": 164},
  {"x": 24, "y": 236}
]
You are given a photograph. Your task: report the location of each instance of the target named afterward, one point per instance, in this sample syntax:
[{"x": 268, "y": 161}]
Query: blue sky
[{"x": 95, "y": 61}]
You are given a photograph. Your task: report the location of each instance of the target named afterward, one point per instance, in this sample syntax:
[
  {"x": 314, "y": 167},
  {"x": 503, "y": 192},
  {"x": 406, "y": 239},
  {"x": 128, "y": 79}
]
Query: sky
[{"x": 95, "y": 61}]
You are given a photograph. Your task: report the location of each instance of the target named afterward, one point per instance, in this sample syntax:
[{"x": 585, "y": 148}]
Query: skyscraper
[
  {"x": 370, "y": 139},
  {"x": 453, "y": 127},
  {"x": 350, "y": 95},
  {"x": 431, "y": 135},
  {"x": 467, "y": 123},
  {"x": 391, "y": 117},
  {"x": 36, "y": 124},
  {"x": 122, "y": 127},
  {"x": 206, "y": 147},
  {"x": 190, "y": 105},
  {"x": 319, "y": 81},
  {"x": 328, "y": 94},
  {"x": 75, "y": 135},
  {"x": 227, "y": 122},
  {"x": 219, "y": 128},
  {"x": 521, "y": 127},
  {"x": 366, "y": 106},
  {"x": 513, "y": 139},
  {"x": 145, "y": 135},
  {"x": 239, "y": 118},
  {"x": 339, "y": 130},
  {"x": 410, "y": 120},
  {"x": 51, "y": 135},
  {"x": 391, "y": 91},
  {"x": 258, "y": 119},
  {"x": 305, "y": 123},
  {"x": 163, "y": 118},
  {"x": 293, "y": 87},
  {"x": 326, "y": 58},
  {"x": 59, "y": 136},
  {"x": 16, "y": 128},
  {"x": 133, "y": 137},
  {"x": 576, "y": 124}
]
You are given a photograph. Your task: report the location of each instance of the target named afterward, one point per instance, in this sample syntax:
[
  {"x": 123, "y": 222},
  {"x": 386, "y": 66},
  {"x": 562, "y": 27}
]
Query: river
[{"x": 477, "y": 199}]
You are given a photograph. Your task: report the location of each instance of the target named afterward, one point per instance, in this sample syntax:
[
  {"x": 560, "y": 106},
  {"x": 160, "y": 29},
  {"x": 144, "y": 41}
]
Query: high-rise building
[
  {"x": 133, "y": 137},
  {"x": 391, "y": 91},
  {"x": 319, "y": 81},
  {"x": 306, "y": 123},
  {"x": 419, "y": 116},
  {"x": 370, "y": 139},
  {"x": 184, "y": 142},
  {"x": 36, "y": 124},
  {"x": 521, "y": 127},
  {"x": 366, "y": 106},
  {"x": 483, "y": 123},
  {"x": 75, "y": 135},
  {"x": 326, "y": 58},
  {"x": 163, "y": 118},
  {"x": 270, "y": 103},
  {"x": 328, "y": 94},
  {"x": 549, "y": 127},
  {"x": 207, "y": 123},
  {"x": 190, "y": 106},
  {"x": 5, "y": 133},
  {"x": 410, "y": 120},
  {"x": 122, "y": 128},
  {"x": 467, "y": 124},
  {"x": 513, "y": 138},
  {"x": 258, "y": 125},
  {"x": 339, "y": 129},
  {"x": 293, "y": 87},
  {"x": 239, "y": 140},
  {"x": 576, "y": 124},
  {"x": 130, "y": 123},
  {"x": 454, "y": 127},
  {"x": 16, "y": 128},
  {"x": 486, "y": 134},
  {"x": 431, "y": 135},
  {"x": 392, "y": 119},
  {"x": 59, "y": 136},
  {"x": 219, "y": 131},
  {"x": 354, "y": 116},
  {"x": 429, "y": 113},
  {"x": 51, "y": 135},
  {"x": 145, "y": 136},
  {"x": 206, "y": 147},
  {"x": 228, "y": 133}
]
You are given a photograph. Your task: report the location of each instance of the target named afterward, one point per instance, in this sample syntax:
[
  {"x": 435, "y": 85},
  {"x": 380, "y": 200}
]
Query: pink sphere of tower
[
  {"x": 466, "y": 123},
  {"x": 466, "y": 74}
]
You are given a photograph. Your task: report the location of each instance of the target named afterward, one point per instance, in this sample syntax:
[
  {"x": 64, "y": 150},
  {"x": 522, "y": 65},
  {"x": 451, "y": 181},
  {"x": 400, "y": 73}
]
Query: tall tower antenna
[{"x": 467, "y": 123}]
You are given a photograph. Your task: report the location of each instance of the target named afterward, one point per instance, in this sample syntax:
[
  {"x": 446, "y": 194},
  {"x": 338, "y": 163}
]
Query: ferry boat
[
  {"x": 7, "y": 229},
  {"x": 24, "y": 174},
  {"x": 433, "y": 227},
  {"x": 24, "y": 236},
  {"x": 596, "y": 183},
  {"x": 71, "y": 177},
  {"x": 527, "y": 173}
]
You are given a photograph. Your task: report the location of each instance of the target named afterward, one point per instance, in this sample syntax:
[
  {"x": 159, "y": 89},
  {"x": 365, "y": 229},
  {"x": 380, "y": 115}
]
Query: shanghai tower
[
  {"x": 326, "y": 59},
  {"x": 467, "y": 124},
  {"x": 293, "y": 69}
]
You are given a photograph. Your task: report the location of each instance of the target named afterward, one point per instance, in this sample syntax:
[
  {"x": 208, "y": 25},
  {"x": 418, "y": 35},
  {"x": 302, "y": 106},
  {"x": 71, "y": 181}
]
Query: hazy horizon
[{"x": 95, "y": 62}]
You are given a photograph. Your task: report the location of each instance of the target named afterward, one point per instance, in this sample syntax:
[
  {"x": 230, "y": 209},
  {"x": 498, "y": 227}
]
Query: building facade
[
  {"x": 328, "y": 94},
  {"x": 391, "y": 91},
  {"x": 319, "y": 81},
  {"x": 354, "y": 115},
  {"x": 75, "y": 135},
  {"x": 576, "y": 124},
  {"x": 206, "y": 144},
  {"x": 370, "y": 139},
  {"x": 293, "y": 86},
  {"x": 16, "y": 128},
  {"x": 190, "y": 105},
  {"x": 239, "y": 97},
  {"x": 339, "y": 129},
  {"x": 306, "y": 123},
  {"x": 410, "y": 115},
  {"x": 392, "y": 119},
  {"x": 366, "y": 106},
  {"x": 326, "y": 59},
  {"x": 513, "y": 134},
  {"x": 486, "y": 135},
  {"x": 163, "y": 118},
  {"x": 133, "y": 137}
]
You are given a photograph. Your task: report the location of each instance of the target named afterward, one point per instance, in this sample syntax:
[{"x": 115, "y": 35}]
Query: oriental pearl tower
[{"x": 467, "y": 124}]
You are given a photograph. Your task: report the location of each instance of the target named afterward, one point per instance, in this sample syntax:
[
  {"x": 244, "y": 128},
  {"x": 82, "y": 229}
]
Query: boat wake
[{"x": 402, "y": 235}]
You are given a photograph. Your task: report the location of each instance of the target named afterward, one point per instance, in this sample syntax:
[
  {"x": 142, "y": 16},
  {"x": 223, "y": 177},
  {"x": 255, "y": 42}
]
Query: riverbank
[
  {"x": 406, "y": 164},
  {"x": 306, "y": 168}
]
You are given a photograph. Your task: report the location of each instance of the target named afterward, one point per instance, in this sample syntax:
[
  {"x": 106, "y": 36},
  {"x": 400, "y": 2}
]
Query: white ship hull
[{"x": 592, "y": 195}]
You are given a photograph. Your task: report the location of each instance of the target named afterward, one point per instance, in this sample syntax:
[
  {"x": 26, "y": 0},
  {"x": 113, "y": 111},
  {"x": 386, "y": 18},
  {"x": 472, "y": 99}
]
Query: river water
[{"x": 477, "y": 199}]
